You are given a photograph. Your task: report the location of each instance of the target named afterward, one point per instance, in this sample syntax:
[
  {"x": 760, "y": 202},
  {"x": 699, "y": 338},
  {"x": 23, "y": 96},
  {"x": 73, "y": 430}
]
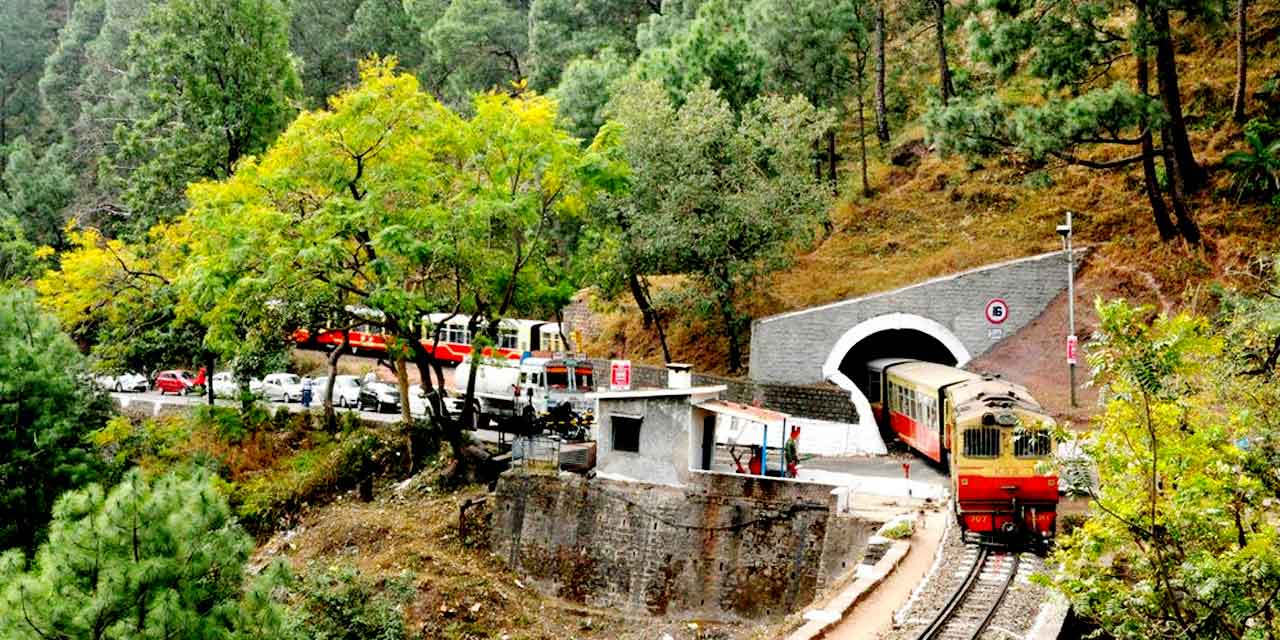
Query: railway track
[{"x": 971, "y": 608}]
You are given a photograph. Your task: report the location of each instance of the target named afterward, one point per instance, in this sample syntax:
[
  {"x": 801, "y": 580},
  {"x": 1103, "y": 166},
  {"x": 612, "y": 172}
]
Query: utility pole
[{"x": 1064, "y": 230}]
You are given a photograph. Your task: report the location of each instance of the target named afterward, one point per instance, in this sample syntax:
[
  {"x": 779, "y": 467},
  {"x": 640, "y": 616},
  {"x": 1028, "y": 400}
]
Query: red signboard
[
  {"x": 620, "y": 375},
  {"x": 1072, "y": 344}
]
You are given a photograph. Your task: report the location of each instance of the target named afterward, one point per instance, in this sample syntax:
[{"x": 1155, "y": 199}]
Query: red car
[{"x": 177, "y": 381}]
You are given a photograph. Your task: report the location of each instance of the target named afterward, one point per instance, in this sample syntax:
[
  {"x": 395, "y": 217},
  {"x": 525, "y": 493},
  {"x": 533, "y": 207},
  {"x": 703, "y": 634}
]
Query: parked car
[
  {"x": 176, "y": 381},
  {"x": 225, "y": 385},
  {"x": 123, "y": 382},
  {"x": 346, "y": 391},
  {"x": 380, "y": 397},
  {"x": 282, "y": 387},
  {"x": 418, "y": 402}
]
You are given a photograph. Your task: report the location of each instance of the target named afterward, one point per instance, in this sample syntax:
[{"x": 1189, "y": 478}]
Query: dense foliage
[
  {"x": 47, "y": 409},
  {"x": 147, "y": 559},
  {"x": 1182, "y": 541}
]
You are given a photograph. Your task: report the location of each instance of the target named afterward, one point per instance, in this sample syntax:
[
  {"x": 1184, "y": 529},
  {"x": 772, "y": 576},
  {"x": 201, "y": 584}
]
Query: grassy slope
[{"x": 944, "y": 215}]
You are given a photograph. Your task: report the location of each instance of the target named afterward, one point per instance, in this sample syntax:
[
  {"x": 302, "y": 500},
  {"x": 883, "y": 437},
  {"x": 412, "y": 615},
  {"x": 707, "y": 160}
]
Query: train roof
[
  {"x": 989, "y": 392},
  {"x": 931, "y": 374}
]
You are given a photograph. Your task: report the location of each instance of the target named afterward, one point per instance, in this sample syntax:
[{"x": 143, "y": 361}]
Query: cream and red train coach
[{"x": 990, "y": 433}]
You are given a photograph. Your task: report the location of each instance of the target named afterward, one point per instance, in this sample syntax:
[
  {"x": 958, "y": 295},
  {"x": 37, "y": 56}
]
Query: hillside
[{"x": 931, "y": 215}]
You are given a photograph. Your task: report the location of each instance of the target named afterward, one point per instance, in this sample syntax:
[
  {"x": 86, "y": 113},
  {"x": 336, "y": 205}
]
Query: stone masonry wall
[
  {"x": 790, "y": 348},
  {"x": 725, "y": 546},
  {"x": 819, "y": 401}
]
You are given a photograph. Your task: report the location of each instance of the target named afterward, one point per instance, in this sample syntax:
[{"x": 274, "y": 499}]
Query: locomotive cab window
[
  {"x": 981, "y": 442},
  {"x": 1032, "y": 444},
  {"x": 873, "y": 386}
]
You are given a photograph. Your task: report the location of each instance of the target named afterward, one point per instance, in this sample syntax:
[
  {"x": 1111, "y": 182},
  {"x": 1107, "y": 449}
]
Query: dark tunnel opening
[{"x": 892, "y": 343}]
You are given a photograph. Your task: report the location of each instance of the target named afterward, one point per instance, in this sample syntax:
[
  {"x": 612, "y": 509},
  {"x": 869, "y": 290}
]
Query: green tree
[
  {"x": 1182, "y": 539},
  {"x": 723, "y": 197},
  {"x": 392, "y": 202},
  {"x": 584, "y": 91},
  {"x": 480, "y": 45},
  {"x": 564, "y": 30},
  {"x": 218, "y": 79},
  {"x": 384, "y": 28},
  {"x": 26, "y": 37},
  {"x": 1063, "y": 95},
  {"x": 46, "y": 410},
  {"x": 327, "y": 62},
  {"x": 149, "y": 559},
  {"x": 712, "y": 48},
  {"x": 36, "y": 191},
  {"x": 17, "y": 256}
]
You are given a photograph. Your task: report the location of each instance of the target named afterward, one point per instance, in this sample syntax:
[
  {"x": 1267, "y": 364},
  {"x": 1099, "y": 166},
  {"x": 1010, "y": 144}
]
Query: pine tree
[{"x": 149, "y": 559}]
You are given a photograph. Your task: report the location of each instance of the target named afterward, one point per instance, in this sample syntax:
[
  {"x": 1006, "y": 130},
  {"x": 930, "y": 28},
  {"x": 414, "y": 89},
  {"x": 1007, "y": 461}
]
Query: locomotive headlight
[{"x": 1007, "y": 419}]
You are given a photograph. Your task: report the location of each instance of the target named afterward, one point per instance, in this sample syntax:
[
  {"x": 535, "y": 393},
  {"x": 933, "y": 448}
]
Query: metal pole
[{"x": 1071, "y": 311}]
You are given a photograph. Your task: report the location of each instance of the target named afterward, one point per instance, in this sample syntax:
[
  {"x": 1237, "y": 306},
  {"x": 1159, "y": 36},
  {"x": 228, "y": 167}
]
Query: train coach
[{"x": 990, "y": 433}]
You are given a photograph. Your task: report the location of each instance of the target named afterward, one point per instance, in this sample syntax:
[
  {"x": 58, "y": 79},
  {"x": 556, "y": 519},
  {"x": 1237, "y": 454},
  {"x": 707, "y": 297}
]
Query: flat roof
[
  {"x": 657, "y": 393},
  {"x": 745, "y": 412}
]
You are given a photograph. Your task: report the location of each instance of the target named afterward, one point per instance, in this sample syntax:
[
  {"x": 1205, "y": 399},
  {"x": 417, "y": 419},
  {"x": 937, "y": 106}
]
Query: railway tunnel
[{"x": 891, "y": 335}]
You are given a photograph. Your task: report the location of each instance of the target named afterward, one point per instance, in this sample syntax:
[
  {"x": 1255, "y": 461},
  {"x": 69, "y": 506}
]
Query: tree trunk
[
  {"x": 1242, "y": 60},
  {"x": 831, "y": 159},
  {"x": 330, "y": 418},
  {"x": 1190, "y": 174},
  {"x": 862, "y": 140},
  {"x": 402, "y": 380},
  {"x": 882, "y": 116},
  {"x": 730, "y": 317},
  {"x": 1151, "y": 184},
  {"x": 640, "y": 291},
  {"x": 208, "y": 377},
  {"x": 944, "y": 71},
  {"x": 817, "y": 160},
  {"x": 1186, "y": 224}
]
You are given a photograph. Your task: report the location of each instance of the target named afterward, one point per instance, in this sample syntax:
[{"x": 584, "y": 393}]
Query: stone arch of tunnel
[{"x": 894, "y": 335}]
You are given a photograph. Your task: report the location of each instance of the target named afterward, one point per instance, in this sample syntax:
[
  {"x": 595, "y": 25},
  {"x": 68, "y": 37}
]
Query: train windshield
[
  {"x": 557, "y": 378},
  {"x": 583, "y": 379}
]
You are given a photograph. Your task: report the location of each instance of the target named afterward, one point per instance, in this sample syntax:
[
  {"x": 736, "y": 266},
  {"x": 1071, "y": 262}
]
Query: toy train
[{"x": 990, "y": 433}]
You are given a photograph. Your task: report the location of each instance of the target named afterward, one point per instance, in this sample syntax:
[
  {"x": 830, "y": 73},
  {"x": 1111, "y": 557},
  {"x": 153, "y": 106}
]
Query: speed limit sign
[{"x": 997, "y": 311}]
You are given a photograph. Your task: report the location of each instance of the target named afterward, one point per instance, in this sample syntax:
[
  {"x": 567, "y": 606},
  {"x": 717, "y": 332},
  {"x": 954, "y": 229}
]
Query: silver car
[
  {"x": 123, "y": 382},
  {"x": 282, "y": 387},
  {"x": 346, "y": 391}
]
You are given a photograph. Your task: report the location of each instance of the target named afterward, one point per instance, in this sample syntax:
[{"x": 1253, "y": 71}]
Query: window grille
[
  {"x": 1032, "y": 444},
  {"x": 982, "y": 442},
  {"x": 508, "y": 338}
]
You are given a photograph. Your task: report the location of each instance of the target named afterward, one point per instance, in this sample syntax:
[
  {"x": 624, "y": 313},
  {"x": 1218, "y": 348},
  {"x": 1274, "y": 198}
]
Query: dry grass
[{"x": 461, "y": 590}]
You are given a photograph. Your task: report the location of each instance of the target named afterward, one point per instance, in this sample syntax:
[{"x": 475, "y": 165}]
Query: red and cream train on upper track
[
  {"x": 990, "y": 433},
  {"x": 515, "y": 338}
]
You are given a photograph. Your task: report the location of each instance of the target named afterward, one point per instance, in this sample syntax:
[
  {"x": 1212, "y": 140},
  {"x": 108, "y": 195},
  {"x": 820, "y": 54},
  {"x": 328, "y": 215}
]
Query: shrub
[
  {"x": 1257, "y": 169},
  {"x": 341, "y": 604}
]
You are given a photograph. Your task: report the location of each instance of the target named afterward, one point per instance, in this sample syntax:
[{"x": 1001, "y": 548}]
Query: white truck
[{"x": 533, "y": 388}]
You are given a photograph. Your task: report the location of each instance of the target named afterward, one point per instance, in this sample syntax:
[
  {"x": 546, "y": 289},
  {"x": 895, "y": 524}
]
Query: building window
[
  {"x": 626, "y": 433},
  {"x": 982, "y": 442}
]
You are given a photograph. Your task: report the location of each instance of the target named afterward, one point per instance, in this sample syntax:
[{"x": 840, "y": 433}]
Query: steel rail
[
  {"x": 935, "y": 627},
  {"x": 1004, "y": 589}
]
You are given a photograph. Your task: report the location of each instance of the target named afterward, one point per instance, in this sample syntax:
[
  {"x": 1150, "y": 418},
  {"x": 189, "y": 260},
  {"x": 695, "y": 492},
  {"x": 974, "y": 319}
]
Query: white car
[
  {"x": 346, "y": 391},
  {"x": 123, "y": 382},
  {"x": 418, "y": 402},
  {"x": 225, "y": 385},
  {"x": 282, "y": 387}
]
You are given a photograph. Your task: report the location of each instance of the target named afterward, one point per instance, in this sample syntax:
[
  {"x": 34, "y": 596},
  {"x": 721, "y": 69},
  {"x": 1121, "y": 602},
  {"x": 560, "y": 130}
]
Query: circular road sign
[{"x": 997, "y": 311}]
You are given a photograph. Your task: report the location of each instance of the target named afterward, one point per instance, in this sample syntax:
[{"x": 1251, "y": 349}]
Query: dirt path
[{"x": 873, "y": 617}]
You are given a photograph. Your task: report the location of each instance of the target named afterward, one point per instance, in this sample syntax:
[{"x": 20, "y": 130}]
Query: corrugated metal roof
[{"x": 745, "y": 412}]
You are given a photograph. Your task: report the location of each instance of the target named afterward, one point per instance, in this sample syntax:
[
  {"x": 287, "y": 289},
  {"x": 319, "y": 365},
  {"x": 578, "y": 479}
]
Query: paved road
[{"x": 155, "y": 398}]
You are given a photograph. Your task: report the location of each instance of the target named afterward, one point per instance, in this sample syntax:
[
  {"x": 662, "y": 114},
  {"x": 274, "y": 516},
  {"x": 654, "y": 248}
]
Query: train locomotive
[{"x": 990, "y": 433}]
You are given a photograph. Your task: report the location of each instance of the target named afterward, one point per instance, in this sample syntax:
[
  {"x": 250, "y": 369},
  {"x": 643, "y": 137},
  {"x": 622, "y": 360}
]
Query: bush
[{"x": 340, "y": 604}]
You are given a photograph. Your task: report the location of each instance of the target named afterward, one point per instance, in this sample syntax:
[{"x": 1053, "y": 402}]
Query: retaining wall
[{"x": 723, "y": 546}]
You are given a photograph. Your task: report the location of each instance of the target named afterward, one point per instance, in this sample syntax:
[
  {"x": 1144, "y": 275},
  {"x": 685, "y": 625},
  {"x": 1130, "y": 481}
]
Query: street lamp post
[{"x": 1064, "y": 230}]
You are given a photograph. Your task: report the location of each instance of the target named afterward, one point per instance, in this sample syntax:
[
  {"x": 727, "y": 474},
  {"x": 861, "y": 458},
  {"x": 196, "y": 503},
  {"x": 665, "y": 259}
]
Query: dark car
[{"x": 380, "y": 397}]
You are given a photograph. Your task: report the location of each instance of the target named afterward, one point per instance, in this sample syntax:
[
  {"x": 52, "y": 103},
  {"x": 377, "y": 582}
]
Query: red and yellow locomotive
[{"x": 990, "y": 433}]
